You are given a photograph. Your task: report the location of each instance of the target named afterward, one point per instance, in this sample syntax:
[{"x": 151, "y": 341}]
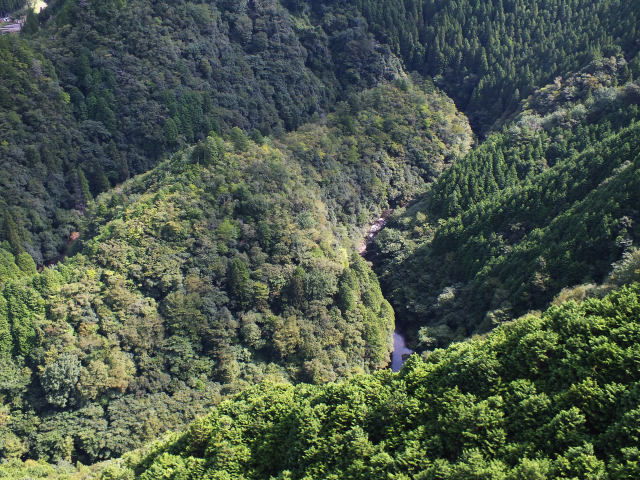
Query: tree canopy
[{"x": 545, "y": 396}]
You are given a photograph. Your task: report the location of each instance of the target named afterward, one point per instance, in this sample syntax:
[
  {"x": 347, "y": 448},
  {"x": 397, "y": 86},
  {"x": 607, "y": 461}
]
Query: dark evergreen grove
[
  {"x": 489, "y": 55},
  {"x": 549, "y": 202},
  {"x": 7, "y": 6}
]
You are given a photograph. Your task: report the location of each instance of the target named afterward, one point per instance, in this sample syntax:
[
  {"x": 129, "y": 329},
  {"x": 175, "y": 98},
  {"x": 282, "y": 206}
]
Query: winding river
[{"x": 400, "y": 349}]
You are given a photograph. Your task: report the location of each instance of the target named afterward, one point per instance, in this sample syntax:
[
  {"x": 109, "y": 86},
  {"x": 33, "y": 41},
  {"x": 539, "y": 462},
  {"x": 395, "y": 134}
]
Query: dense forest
[
  {"x": 112, "y": 86},
  {"x": 549, "y": 202},
  {"x": 545, "y": 396},
  {"x": 229, "y": 263},
  {"x": 187, "y": 191},
  {"x": 109, "y": 88},
  {"x": 551, "y": 396},
  {"x": 488, "y": 55},
  {"x": 7, "y": 6}
]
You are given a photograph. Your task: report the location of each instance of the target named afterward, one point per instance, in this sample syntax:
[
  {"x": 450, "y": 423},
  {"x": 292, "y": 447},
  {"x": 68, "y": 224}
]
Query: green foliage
[
  {"x": 149, "y": 79},
  {"x": 7, "y": 6},
  {"x": 170, "y": 132},
  {"x": 25, "y": 263},
  {"x": 6, "y": 339},
  {"x": 8, "y": 268},
  {"x": 223, "y": 266},
  {"x": 31, "y": 24},
  {"x": 488, "y": 55},
  {"x": 430, "y": 421},
  {"x": 59, "y": 380},
  {"x": 239, "y": 139},
  {"x": 627, "y": 270},
  {"x": 231, "y": 263},
  {"x": 30, "y": 470},
  {"x": 83, "y": 185},
  {"x": 210, "y": 151},
  {"x": 25, "y": 312},
  {"x": 10, "y": 233},
  {"x": 545, "y": 204},
  {"x": 31, "y": 103}
]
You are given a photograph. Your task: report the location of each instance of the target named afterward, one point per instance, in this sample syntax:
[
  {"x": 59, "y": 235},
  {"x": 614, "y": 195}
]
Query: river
[
  {"x": 375, "y": 228},
  {"x": 400, "y": 349}
]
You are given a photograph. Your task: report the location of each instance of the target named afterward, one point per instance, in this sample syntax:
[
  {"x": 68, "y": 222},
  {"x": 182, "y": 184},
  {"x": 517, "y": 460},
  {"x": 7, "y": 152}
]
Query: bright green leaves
[
  {"x": 239, "y": 282},
  {"x": 59, "y": 379},
  {"x": 208, "y": 152},
  {"x": 433, "y": 420},
  {"x": 8, "y": 268},
  {"x": 6, "y": 339},
  {"x": 25, "y": 313},
  {"x": 170, "y": 466},
  {"x": 25, "y": 263},
  {"x": 464, "y": 423}
]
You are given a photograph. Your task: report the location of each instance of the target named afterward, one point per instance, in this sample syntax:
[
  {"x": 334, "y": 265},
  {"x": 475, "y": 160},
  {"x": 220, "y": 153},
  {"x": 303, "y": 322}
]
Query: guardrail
[{"x": 12, "y": 27}]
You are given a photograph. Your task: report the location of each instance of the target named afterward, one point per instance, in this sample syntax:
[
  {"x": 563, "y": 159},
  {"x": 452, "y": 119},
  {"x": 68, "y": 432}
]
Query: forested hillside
[
  {"x": 487, "y": 55},
  {"x": 116, "y": 86},
  {"x": 545, "y": 396},
  {"x": 7, "y": 6},
  {"x": 229, "y": 263},
  {"x": 550, "y": 202},
  {"x": 215, "y": 213},
  {"x": 34, "y": 142}
]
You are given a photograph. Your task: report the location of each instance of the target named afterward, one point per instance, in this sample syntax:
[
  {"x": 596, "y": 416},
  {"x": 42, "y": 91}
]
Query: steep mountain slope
[
  {"x": 227, "y": 264},
  {"x": 139, "y": 79},
  {"x": 550, "y": 202},
  {"x": 544, "y": 396},
  {"x": 488, "y": 55},
  {"x": 116, "y": 86},
  {"x": 7, "y": 6},
  {"x": 183, "y": 189},
  {"x": 36, "y": 134}
]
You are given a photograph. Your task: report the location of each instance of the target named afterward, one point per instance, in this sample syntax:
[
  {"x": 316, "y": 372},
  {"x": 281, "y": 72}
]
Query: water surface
[{"x": 400, "y": 351}]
